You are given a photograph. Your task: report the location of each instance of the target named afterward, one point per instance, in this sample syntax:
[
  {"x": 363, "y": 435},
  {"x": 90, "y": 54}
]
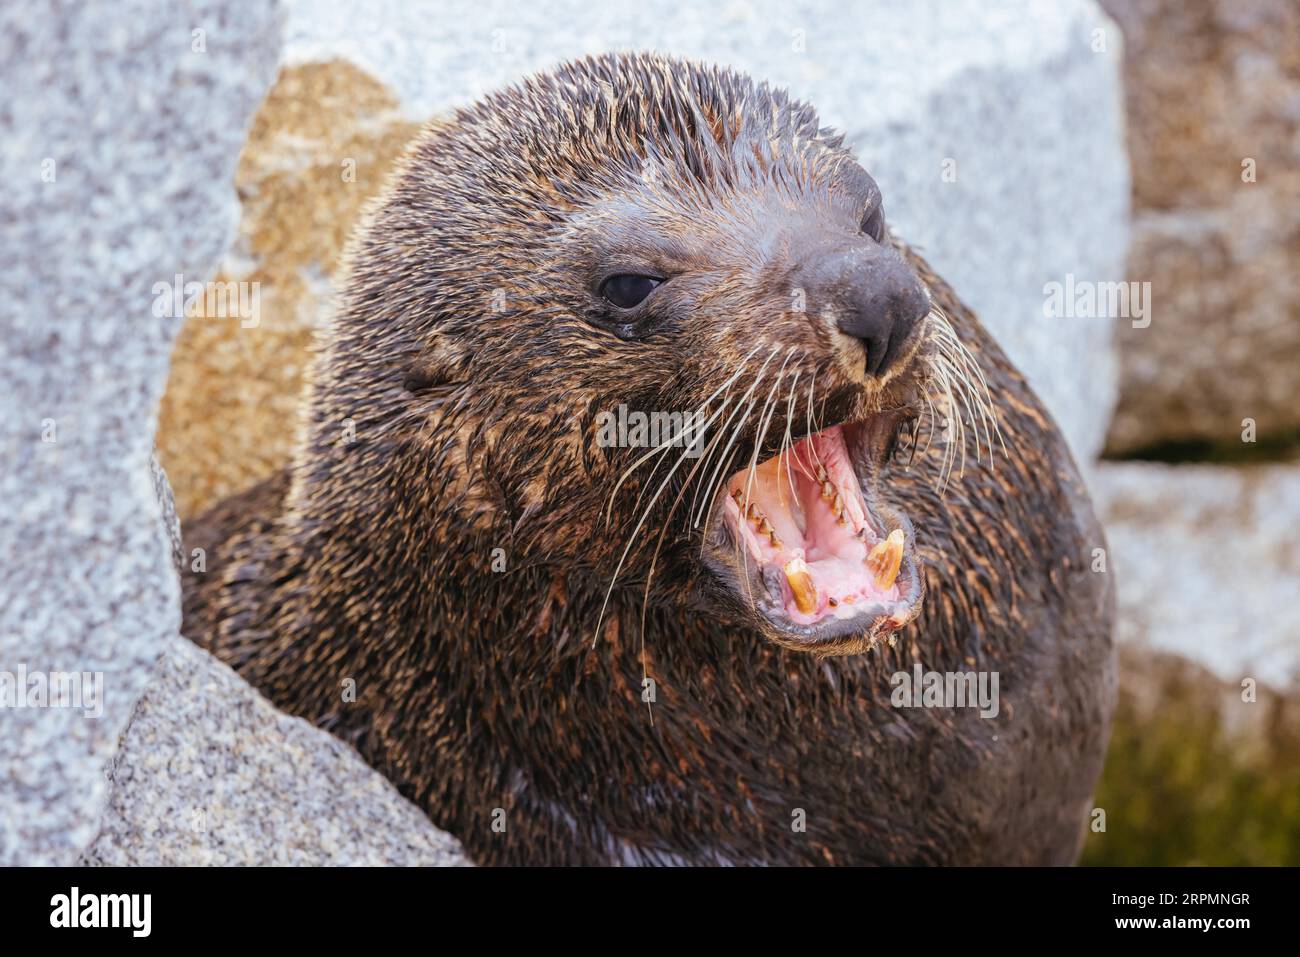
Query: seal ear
[
  {"x": 429, "y": 383},
  {"x": 437, "y": 370},
  {"x": 422, "y": 379}
]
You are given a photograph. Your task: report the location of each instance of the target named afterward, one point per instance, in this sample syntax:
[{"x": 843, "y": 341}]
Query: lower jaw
[
  {"x": 845, "y": 629},
  {"x": 813, "y": 557}
]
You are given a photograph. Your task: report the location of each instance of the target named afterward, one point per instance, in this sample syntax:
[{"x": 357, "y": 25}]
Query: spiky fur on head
[{"x": 532, "y": 195}]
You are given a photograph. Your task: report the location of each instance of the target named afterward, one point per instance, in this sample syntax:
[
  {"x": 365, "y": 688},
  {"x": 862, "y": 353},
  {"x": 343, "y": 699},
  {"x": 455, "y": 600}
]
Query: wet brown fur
[{"x": 470, "y": 358}]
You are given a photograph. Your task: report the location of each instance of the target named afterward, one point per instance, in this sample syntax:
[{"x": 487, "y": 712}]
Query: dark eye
[
  {"x": 628, "y": 290},
  {"x": 873, "y": 224}
]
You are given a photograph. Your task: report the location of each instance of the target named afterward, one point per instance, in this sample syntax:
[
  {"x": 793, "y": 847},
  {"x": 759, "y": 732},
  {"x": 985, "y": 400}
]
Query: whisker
[
  {"x": 788, "y": 441},
  {"x": 765, "y": 417},
  {"x": 981, "y": 396},
  {"x": 640, "y": 495},
  {"x": 654, "y": 562},
  {"x": 713, "y": 445},
  {"x": 771, "y": 404},
  {"x": 632, "y": 540},
  {"x": 962, "y": 391},
  {"x": 706, "y": 459},
  {"x": 726, "y": 462},
  {"x": 808, "y": 422},
  {"x": 959, "y": 374},
  {"x": 658, "y": 450},
  {"x": 650, "y": 505},
  {"x": 708, "y": 499}
]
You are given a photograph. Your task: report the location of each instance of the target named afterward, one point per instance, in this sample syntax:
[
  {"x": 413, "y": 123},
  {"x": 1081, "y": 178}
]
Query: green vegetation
[{"x": 1184, "y": 785}]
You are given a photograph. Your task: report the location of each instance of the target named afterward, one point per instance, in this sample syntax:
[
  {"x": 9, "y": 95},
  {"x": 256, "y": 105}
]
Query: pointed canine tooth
[
  {"x": 821, "y": 473},
  {"x": 765, "y": 526},
  {"x": 886, "y": 559},
  {"x": 828, "y": 490},
  {"x": 802, "y": 585},
  {"x": 776, "y": 542}
]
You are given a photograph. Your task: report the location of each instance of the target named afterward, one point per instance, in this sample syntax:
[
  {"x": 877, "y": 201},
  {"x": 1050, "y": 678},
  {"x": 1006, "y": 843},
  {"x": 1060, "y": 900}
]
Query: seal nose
[
  {"x": 883, "y": 302},
  {"x": 878, "y": 299}
]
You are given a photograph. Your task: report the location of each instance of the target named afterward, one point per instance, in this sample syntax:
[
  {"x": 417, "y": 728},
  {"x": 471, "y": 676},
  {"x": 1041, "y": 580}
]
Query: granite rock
[
  {"x": 210, "y": 773},
  {"x": 121, "y": 127},
  {"x": 1207, "y": 564}
]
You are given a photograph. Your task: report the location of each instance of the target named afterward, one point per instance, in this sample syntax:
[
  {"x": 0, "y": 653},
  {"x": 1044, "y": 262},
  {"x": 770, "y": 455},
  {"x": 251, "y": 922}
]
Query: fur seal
[{"x": 572, "y": 652}]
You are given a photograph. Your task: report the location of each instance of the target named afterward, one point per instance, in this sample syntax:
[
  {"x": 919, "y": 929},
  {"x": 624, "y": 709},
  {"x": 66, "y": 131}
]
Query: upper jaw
[{"x": 803, "y": 543}]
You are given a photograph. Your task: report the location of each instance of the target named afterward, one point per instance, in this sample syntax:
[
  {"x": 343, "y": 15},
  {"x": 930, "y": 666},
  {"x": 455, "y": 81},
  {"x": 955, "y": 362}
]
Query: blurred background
[
  {"x": 1018, "y": 143},
  {"x": 1202, "y": 513}
]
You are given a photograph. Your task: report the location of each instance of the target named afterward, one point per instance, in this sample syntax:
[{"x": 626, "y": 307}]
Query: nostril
[
  {"x": 893, "y": 350},
  {"x": 912, "y": 307},
  {"x": 878, "y": 353}
]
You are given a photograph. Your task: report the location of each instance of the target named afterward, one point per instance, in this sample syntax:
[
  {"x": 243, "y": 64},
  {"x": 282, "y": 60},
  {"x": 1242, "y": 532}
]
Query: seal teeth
[
  {"x": 828, "y": 490},
  {"x": 839, "y": 511},
  {"x": 762, "y": 525},
  {"x": 801, "y": 585},
  {"x": 886, "y": 558},
  {"x": 821, "y": 473}
]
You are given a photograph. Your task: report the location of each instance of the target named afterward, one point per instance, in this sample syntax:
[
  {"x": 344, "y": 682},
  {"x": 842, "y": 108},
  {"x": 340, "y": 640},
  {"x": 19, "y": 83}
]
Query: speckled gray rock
[
  {"x": 171, "y": 522},
  {"x": 1012, "y": 93},
  {"x": 121, "y": 128},
  {"x": 1207, "y": 564},
  {"x": 210, "y": 773}
]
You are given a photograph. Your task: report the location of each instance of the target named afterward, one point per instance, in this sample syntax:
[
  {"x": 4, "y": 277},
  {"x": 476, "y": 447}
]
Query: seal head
[{"x": 707, "y": 251}]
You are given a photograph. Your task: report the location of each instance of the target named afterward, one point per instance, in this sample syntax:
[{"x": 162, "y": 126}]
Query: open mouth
[{"x": 816, "y": 553}]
